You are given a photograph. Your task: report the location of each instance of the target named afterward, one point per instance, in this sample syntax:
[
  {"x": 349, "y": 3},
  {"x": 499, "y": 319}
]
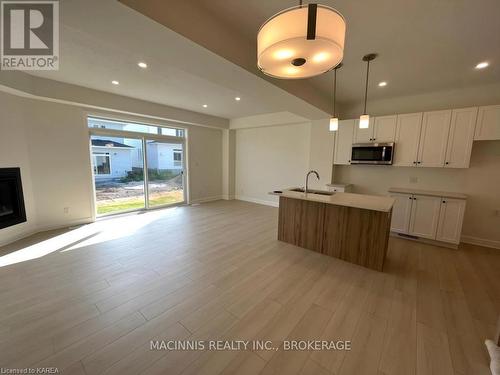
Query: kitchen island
[{"x": 351, "y": 227}]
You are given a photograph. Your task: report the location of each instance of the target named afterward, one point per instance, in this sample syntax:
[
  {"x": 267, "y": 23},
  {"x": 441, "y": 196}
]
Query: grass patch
[{"x": 106, "y": 207}]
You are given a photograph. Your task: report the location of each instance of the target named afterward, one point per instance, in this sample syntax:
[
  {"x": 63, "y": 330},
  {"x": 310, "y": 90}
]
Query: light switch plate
[{"x": 413, "y": 180}]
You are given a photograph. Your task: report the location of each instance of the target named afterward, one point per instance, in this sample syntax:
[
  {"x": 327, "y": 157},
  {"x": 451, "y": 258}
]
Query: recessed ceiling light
[
  {"x": 382, "y": 84},
  {"x": 142, "y": 65},
  {"x": 205, "y": 105},
  {"x": 237, "y": 98},
  {"x": 115, "y": 82},
  {"x": 482, "y": 65}
]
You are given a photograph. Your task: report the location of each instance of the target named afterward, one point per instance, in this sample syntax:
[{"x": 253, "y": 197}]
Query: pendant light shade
[
  {"x": 301, "y": 42},
  {"x": 364, "y": 119},
  {"x": 334, "y": 124}
]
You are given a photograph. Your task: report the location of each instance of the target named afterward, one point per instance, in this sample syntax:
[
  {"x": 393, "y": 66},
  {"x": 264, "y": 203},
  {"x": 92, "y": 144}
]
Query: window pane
[
  {"x": 118, "y": 174},
  {"x": 102, "y": 164},
  {"x": 94, "y": 122},
  {"x": 164, "y": 173}
]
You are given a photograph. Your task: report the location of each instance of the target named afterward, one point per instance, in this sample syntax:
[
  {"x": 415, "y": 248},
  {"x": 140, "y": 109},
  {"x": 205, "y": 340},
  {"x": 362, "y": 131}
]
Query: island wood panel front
[
  {"x": 356, "y": 235},
  {"x": 352, "y": 234},
  {"x": 300, "y": 222}
]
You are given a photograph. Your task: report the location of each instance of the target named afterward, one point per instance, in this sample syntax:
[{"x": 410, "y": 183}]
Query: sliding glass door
[
  {"x": 165, "y": 173},
  {"x": 119, "y": 161},
  {"x": 118, "y": 173}
]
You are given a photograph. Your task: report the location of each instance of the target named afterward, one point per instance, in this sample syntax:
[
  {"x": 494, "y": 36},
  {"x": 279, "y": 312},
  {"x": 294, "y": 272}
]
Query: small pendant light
[
  {"x": 364, "y": 119},
  {"x": 334, "y": 121}
]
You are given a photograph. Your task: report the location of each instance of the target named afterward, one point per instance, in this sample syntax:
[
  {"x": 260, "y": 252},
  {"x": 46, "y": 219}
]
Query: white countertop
[
  {"x": 432, "y": 193},
  {"x": 363, "y": 201},
  {"x": 339, "y": 185}
]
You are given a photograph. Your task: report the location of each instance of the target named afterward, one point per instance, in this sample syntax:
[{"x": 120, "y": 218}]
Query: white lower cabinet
[
  {"x": 401, "y": 212},
  {"x": 451, "y": 218},
  {"x": 424, "y": 216},
  {"x": 429, "y": 217}
]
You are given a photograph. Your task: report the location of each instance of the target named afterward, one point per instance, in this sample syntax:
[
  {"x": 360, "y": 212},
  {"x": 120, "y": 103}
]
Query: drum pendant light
[
  {"x": 334, "y": 121},
  {"x": 301, "y": 42},
  {"x": 364, "y": 119}
]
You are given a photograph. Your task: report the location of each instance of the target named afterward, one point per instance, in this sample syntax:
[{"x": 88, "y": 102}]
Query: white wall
[
  {"x": 270, "y": 158},
  {"x": 321, "y": 152},
  {"x": 14, "y": 153},
  {"x": 205, "y": 163},
  {"x": 455, "y": 98},
  {"x": 50, "y": 141}
]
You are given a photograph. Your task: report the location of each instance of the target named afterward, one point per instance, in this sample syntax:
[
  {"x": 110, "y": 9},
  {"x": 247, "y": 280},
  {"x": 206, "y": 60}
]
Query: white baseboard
[
  {"x": 18, "y": 236},
  {"x": 72, "y": 223},
  {"x": 258, "y": 201},
  {"x": 481, "y": 242},
  {"x": 228, "y": 197},
  {"x": 207, "y": 199}
]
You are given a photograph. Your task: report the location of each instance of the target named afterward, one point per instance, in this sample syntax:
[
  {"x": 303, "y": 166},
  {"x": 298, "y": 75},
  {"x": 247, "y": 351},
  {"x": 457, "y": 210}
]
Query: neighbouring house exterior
[
  {"x": 162, "y": 156},
  {"x": 111, "y": 159}
]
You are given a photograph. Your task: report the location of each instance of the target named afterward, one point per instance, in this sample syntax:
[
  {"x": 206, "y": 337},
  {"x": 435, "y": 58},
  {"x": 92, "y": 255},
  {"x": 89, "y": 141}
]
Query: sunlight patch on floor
[{"x": 100, "y": 231}]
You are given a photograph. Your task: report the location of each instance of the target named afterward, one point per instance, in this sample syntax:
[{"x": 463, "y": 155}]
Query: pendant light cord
[
  {"x": 300, "y": 3},
  {"x": 366, "y": 86},
  {"x": 334, "y": 89}
]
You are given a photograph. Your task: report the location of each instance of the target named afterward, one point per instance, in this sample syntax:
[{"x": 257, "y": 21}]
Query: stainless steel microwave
[{"x": 372, "y": 153}]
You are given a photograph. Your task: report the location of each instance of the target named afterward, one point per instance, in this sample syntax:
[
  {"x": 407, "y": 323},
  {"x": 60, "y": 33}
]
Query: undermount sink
[{"x": 312, "y": 191}]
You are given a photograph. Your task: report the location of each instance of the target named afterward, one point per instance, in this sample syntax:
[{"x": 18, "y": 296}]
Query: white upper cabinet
[
  {"x": 384, "y": 129},
  {"x": 488, "y": 123},
  {"x": 434, "y": 138},
  {"x": 461, "y": 136},
  {"x": 451, "y": 218},
  {"x": 424, "y": 216},
  {"x": 407, "y": 138},
  {"x": 343, "y": 142},
  {"x": 401, "y": 212},
  {"x": 363, "y": 135}
]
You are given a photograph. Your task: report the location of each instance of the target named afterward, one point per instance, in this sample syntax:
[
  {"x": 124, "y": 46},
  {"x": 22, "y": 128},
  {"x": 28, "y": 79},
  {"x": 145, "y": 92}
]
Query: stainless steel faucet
[{"x": 307, "y": 180}]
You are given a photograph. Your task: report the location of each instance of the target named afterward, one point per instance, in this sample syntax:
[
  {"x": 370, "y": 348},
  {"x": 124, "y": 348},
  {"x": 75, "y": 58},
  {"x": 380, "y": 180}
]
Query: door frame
[{"x": 143, "y": 137}]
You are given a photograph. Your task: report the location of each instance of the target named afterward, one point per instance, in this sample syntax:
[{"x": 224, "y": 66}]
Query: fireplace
[{"x": 12, "y": 209}]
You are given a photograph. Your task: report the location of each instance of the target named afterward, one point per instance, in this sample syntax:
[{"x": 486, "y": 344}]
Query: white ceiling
[
  {"x": 102, "y": 40},
  {"x": 423, "y": 45}
]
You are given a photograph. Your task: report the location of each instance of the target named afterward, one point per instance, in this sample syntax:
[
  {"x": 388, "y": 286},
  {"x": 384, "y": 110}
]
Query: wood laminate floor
[{"x": 89, "y": 300}]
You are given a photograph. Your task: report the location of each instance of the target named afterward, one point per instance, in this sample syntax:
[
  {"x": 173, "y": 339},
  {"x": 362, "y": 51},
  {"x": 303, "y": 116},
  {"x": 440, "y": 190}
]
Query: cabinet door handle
[
  {"x": 409, "y": 197},
  {"x": 414, "y": 199},
  {"x": 447, "y": 163},
  {"x": 444, "y": 201},
  {"x": 418, "y": 162}
]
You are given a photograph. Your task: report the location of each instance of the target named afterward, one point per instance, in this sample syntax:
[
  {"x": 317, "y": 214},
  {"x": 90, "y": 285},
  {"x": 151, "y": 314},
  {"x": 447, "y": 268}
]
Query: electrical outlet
[
  {"x": 496, "y": 213},
  {"x": 413, "y": 180},
  {"x": 66, "y": 210}
]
